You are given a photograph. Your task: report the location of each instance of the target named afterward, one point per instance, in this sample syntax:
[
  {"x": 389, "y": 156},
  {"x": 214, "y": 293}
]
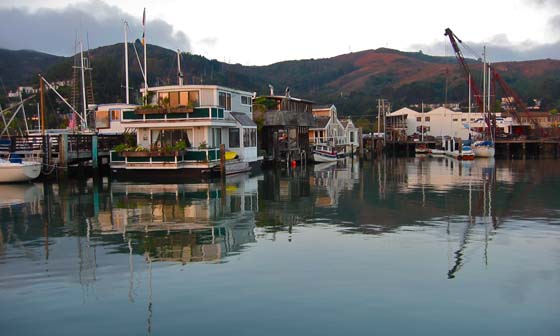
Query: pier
[
  {"x": 505, "y": 148},
  {"x": 63, "y": 150}
]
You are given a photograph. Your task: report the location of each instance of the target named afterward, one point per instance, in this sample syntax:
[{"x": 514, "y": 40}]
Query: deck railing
[
  {"x": 190, "y": 155},
  {"x": 174, "y": 114}
]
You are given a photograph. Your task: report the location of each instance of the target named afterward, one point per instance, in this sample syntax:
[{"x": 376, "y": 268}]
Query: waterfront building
[
  {"x": 286, "y": 123},
  {"x": 329, "y": 130},
  {"x": 441, "y": 121},
  {"x": 180, "y": 129}
]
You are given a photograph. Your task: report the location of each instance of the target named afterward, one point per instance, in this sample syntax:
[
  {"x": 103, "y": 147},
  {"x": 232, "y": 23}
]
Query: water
[{"x": 395, "y": 247}]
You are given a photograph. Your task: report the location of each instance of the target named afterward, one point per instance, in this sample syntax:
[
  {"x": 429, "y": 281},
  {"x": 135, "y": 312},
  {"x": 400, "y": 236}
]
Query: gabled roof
[
  {"x": 243, "y": 119},
  {"x": 322, "y": 107},
  {"x": 403, "y": 111},
  {"x": 321, "y": 122}
]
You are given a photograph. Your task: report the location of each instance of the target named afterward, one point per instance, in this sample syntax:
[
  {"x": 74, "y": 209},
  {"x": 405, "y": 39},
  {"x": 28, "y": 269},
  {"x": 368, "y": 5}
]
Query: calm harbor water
[{"x": 394, "y": 247}]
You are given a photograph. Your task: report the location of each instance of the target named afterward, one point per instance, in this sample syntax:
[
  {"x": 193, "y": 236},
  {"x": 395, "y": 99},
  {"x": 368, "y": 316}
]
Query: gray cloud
[
  {"x": 54, "y": 30},
  {"x": 554, "y": 24},
  {"x": 499, "y": 48},
  {"x": 209, "y": 41},
  {"x": 551, "y": 3}
]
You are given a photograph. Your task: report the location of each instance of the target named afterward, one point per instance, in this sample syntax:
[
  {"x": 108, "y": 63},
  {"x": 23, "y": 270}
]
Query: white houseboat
[{"x": 180, "y": 129}]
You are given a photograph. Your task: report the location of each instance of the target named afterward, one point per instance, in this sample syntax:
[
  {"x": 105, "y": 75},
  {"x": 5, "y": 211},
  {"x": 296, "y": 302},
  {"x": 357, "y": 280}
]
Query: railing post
[
  {"x": 94, "y": 152},
  {"x": 63, "y": 150}
]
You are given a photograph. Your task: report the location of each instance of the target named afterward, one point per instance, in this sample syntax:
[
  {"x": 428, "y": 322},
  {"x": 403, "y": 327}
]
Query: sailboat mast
[
  {"x": 484, "y": 81},
  {"x": 179, "y": 73},
  {"x": 145, "y": 54},
  {"x": 42, "y": 104},
  {"x": 470, "y": 94},
  {"x": 84, "y": 123},
  {"x": 126, "y": 61}
]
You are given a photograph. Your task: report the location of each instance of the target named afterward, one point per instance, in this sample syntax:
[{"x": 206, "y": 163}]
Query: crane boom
[{"x": 466, "y": 71}]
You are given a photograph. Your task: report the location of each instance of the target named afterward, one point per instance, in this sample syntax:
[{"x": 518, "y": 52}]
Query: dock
[{"x": 63, "y": 150}]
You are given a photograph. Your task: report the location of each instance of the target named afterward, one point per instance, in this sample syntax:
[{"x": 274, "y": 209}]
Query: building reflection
[{"x": 182, "y": 222}]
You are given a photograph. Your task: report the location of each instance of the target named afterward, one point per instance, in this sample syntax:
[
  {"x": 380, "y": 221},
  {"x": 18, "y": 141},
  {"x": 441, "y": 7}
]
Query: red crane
[
  {"x": 515, "y": 103},
  {"x": 466, "y": 71}
]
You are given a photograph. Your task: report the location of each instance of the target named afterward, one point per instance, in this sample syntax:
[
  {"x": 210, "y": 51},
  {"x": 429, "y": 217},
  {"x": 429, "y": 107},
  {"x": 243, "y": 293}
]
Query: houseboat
[
  {"x": 180, "y": 129},
  {"x": 286, "y": 121}
]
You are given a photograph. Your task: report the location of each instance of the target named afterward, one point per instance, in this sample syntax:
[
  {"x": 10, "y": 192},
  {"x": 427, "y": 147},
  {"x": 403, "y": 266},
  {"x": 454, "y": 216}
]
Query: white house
[{"x": 438, "y": 122}]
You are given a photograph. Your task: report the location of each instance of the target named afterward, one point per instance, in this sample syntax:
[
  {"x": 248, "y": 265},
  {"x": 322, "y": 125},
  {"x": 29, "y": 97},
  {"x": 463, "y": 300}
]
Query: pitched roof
[
  {"x": 321, "y": 122},
  {"x": 288, "y": 118},
  {"x": 243, "y": 119}
]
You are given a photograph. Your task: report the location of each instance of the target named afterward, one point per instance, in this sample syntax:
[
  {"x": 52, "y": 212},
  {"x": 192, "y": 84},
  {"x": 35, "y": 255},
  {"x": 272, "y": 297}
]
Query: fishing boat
[
  {"x": 324, "y": 153},
  {"x": 16, "y": 169}
]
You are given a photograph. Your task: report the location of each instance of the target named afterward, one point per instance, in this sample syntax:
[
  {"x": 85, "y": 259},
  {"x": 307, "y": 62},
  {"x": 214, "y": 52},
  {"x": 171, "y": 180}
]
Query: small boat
[
  {"x": 323, "y": 153},
  {"x": 466, "y": 152},
  {"x": 484, "y": 149},
  {"x": 421, "y": 149},
  {"x": 437, "y": 152},
  {"x": 16, "y": 169}
]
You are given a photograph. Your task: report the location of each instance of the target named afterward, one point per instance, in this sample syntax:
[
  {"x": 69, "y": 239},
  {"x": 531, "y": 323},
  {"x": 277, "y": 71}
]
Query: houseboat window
[
  {"x": 246, "y": 100},
  {"x": 102, "y": 119},
  {"x": 162, "y": 96},
  {"x": 216, "y": 137},
  {"x": 187, "y": 98},
  {"x": 249, "y": 137},
  {"x": 224, "y": 100},
  {"x": 234, "y": 137},
  {"x": 164, "y": 138},
  {"x": 173, "y": 99},
  {"x": 115, "y": 114}
]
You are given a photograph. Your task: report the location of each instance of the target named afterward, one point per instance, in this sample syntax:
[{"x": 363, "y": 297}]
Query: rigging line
[{"x": 138, "y": 59}]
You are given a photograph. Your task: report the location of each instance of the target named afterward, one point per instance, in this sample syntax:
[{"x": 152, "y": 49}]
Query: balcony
[
  {"x": 159, "y": 159},
  {"x": 173, "y": 114}
]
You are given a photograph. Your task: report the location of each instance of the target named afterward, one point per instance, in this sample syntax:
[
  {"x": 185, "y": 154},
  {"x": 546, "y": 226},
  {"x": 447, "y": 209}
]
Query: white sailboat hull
[
  {"x": 484, "y": 151},
  {"x": 19, "y": 172}
]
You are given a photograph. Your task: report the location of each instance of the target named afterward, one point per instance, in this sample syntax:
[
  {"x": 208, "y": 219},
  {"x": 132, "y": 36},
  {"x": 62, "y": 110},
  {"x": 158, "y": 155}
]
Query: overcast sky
[{"x": 253, "y": 32}]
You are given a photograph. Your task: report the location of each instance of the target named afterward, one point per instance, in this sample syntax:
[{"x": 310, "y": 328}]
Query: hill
[
  {"x": 20, "y": 66},
  {"x": 352, "y": 81}
]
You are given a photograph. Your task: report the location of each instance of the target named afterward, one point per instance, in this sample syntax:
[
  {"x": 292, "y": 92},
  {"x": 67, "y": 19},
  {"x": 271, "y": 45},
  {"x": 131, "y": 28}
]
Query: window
[
  {"x": 234, "y": 137},
  {"x": 427, "y": 118},
  {"x": 167, "y": 138},
  {"x": 464, "y": 119},
  {"x": 102, "y": 119},
  {"x": 249, "y": 137},
  {"x": 455, "y": 119},
  {"x": 351, "y": 136},
  {"x": 224, "y": 100},
  {"x": 246, "y": 100},
  {"x": 418, "y": 119},
  {"x": 115, "y": 114},
  {"x": 173, "y": 99},
  {"x": 216, "y": 137}
]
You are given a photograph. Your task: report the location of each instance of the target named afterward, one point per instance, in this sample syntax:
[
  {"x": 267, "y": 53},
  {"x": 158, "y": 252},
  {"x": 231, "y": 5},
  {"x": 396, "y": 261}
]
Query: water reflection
[{"x": 443, "y": 218}]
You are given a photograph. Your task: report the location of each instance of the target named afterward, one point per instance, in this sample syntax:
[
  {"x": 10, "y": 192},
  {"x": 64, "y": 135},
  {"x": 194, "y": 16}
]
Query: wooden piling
[{"x": 223, "y": 160}]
